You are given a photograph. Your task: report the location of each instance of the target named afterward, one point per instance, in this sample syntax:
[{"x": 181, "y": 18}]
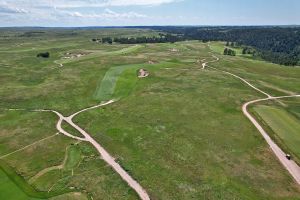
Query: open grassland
[{"x": 179, "y": 132}]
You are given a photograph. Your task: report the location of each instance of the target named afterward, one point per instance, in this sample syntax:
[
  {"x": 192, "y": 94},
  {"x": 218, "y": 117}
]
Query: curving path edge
[
  {"x": 103, "y": 153},
  {"x": 291, "y": 166}
]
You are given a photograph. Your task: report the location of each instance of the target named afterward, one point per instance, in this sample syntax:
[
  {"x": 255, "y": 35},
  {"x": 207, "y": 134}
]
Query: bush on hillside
[{"x": 44, "y": 55}]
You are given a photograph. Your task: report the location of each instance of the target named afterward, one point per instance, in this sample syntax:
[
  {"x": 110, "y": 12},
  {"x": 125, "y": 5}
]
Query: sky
[{"x": 75, "y": 13}]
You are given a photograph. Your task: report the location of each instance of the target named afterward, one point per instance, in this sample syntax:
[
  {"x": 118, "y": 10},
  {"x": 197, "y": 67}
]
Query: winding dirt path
[
  {"x": 103, "y": 153},
  {"x": 292, "y": 167}
]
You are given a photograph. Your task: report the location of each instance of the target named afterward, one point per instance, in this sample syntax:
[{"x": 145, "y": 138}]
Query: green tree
[{"x": 226, "y": 51}]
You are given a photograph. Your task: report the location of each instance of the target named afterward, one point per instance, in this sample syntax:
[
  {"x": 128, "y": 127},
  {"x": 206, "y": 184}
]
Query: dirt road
[
  {"x": 292, "y": 167},
  {"x": 103, "y": 153}
]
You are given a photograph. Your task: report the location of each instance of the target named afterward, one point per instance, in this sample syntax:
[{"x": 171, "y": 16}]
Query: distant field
[
  {"x": 218, "y": 47},
  {"x": 179, "y": 132},
  {"x": 285, "y": 126}
]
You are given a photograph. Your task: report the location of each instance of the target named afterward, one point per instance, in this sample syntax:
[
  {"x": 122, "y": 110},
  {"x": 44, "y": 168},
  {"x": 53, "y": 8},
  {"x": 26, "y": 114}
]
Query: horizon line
[{"x": 129, "y": 26}]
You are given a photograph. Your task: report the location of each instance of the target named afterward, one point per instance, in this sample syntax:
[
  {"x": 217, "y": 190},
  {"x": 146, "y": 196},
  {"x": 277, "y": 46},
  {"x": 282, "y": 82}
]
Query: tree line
[
  {"x": 279, "y": 45},
  {"x": 161, "y": 38},
  {"x": 229, "y": 52}
]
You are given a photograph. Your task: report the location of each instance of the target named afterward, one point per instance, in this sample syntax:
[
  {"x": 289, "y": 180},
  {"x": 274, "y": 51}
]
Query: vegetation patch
[
  {"x": 73, "y": 157},
  {"x": 44, "y": 55}
]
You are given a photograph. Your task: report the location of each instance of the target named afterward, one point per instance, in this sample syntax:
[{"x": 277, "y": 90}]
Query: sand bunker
[{"x": 142, "y": 73}]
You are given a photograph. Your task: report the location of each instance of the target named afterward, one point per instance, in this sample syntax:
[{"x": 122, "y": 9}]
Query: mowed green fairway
[
  {"x": 107, "y": 85},
  {"x": 17, "y": 189},
  {"x": 284, "y": 125},
  {"x": 9, "y": 190},
  {"x": 119, "y": 81}
]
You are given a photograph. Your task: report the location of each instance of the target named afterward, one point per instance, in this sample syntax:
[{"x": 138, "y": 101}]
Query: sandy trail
[
  {"x": 57, "y": 62},
  {"x": 292, "y": 167},
  {"x": 46, "y": 170},
  {"x": 30, "y": 145}
]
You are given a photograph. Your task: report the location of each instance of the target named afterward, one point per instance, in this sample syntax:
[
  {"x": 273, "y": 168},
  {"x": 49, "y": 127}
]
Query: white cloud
[
  {"x": 138, "y": 2},
  {"x": 34, "y": 12},
  {"x": 109, "y": 3},
  {"x": 109, "y": 14},
  {"x": 10, "y": 9}
]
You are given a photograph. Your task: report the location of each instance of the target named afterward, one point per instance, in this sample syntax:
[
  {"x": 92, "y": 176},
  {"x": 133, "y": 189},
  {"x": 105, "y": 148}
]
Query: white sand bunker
[
  {"x": 142, "y": 73},
  {"x": 73, "y": 55},
  {"x": 151, "y": 62},
  {"x": 174, "y": 50}
]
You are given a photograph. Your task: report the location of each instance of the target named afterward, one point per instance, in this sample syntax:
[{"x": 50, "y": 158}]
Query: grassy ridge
[{"x": 218, "y": 47}]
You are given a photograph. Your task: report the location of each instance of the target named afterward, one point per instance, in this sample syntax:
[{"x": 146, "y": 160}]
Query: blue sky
[{"x": 148, "y": 12}]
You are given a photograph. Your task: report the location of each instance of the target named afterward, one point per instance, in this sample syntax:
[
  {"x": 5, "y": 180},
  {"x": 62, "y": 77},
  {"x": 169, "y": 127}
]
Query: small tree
[
  {"x": 231, "y": 52},
  {"x": 43, "y": 55},
  {"x": 107, "y": 40},
  {"x": 226, "y": 51}
]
